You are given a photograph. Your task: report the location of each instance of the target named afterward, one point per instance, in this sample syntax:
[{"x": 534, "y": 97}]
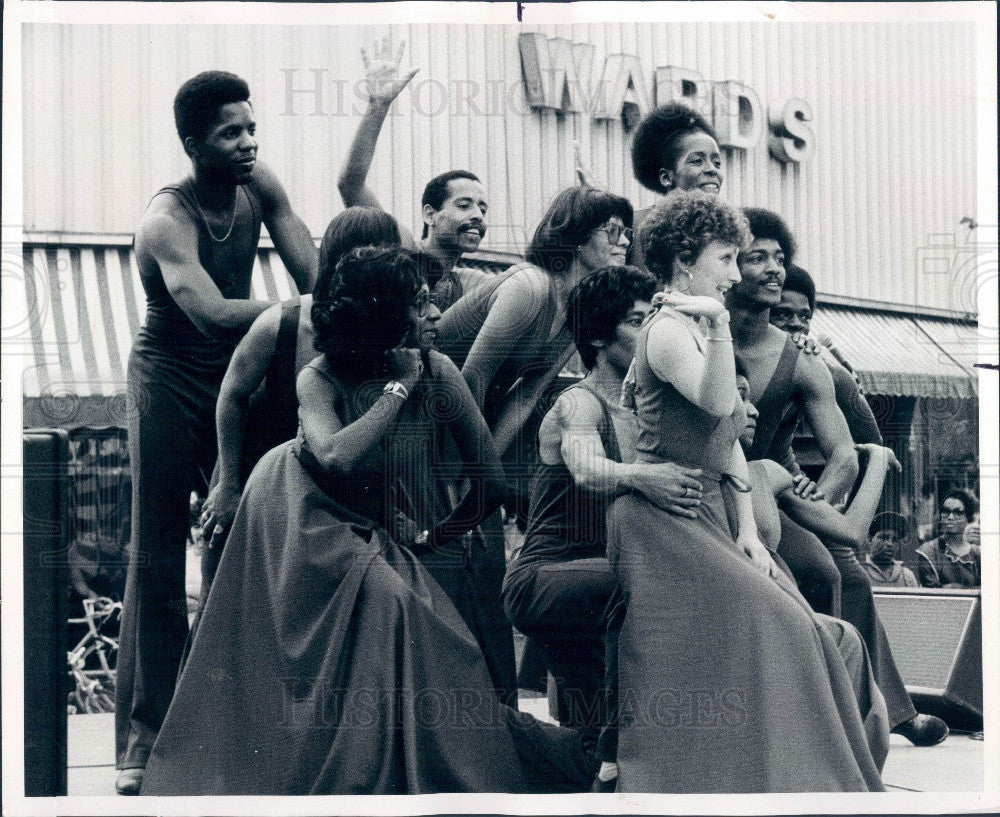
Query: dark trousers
[
  {"x": 564, "y": 607},
  {"x": 810, "y": 561},
  {"x": 171, "y": 436}
]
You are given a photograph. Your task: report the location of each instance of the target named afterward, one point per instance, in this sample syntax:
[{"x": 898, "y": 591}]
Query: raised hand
[
  {"x": 382, "y": 77},
  {"x": 406, "y": 365},
  {"x": 582, "y": 171}
]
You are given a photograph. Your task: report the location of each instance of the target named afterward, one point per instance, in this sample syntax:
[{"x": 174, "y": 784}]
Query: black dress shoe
[
  {"x": 923, "y": 730},
  {"x": 604, "y": 786},
  {"x": 129, "y": 781}
]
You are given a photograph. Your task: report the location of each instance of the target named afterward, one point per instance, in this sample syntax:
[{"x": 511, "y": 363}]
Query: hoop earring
[{"x": 690, "y": 278}]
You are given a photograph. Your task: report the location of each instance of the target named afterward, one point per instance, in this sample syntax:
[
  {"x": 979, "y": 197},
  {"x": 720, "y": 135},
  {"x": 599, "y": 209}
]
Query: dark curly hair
[
  {"x": 198, "y": 100},
  {"x": 682, "y": 226},
  {"x": 768, "y": 224},
  {"x": 601, "y": 301},
  {"x": 364, "y": 310},
  {"x": 355, "y": 227},
  {"x": 798, "y": 280},
  {"x": 656, "y": 144},
  {"x": 968, "y": 501},
  {"x": 436, "y": 190},
  {"x": 572, "y": 216}
]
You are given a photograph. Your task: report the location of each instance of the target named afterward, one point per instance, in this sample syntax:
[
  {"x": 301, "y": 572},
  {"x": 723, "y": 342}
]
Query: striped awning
[
  {"x": 899, "y": 354},
  {"x": 86, "y": 305}
]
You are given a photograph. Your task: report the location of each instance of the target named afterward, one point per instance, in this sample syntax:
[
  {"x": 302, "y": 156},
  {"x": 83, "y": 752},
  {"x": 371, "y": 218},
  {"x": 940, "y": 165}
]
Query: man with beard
[
  {"x": 195, "y": 248},
  {"x": 882, "y": 561},
  {"x": 453, "y": 205},
  {"x": 833, "y": 580}
]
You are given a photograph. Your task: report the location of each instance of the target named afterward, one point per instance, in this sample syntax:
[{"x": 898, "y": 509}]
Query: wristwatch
[{"x": 396, "y": 388}]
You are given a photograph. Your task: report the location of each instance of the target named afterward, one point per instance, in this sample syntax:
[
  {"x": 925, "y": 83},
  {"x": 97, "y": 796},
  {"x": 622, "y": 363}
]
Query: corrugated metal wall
[{"x": 893, "y": 172}]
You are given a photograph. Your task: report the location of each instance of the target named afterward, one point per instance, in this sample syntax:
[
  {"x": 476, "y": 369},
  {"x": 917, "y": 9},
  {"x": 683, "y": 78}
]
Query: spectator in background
[
  {"x": 953, "y": 558},
  {"x": 882, "y": 563}
]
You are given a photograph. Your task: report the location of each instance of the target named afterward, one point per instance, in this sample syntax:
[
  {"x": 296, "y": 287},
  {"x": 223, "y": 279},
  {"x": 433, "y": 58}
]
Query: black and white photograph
[{"x": 497, "y": 400}]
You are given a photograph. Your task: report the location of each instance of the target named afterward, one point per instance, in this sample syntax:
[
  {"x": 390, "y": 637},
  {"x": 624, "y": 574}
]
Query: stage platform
[{"x": 955, "y": 765}]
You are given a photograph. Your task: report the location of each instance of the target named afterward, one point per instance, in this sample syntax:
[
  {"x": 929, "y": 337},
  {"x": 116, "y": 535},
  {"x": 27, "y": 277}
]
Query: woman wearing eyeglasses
[
  {"x": 511, "y": 339},
  {"x": 328, "y": 660}
]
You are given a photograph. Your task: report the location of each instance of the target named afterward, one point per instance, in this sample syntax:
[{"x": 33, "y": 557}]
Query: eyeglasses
[
  {"x": 952, "y": 512},
  {"x": 614, "y": 232}
]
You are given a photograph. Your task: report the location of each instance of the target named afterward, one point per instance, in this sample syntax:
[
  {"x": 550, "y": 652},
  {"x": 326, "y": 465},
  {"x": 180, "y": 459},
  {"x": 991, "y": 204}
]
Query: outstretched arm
[
  {"x": 576, "y": 418},
  {"x": 850, "y": 527},
  {"x": 516, "y": 304},
  {"x": 384, "y": 83},
  {"x": 289, "y": 232},
  {"x": 828, "y": 424},
  {"x": 245, "y": 373},
  {"x": 481, "y": 465},
  {"x": 172, "y": 241}
]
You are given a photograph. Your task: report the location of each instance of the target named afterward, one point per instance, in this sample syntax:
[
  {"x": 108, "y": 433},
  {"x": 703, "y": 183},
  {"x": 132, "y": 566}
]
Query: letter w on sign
[{"x": 556, "y": 72}]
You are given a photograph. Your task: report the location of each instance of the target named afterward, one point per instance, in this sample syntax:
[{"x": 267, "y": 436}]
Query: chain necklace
[{"x": 205, "y": 218}]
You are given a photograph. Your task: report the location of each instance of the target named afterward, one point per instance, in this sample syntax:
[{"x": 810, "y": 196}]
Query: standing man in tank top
[
  {"x": 195, "y": 249},
  {"x": 833, "y": 580},
  {"x": 453, "y": 205}
]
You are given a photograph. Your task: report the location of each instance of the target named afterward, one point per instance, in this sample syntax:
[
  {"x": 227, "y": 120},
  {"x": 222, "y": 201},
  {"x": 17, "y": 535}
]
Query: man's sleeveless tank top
[
  {"x": 229, "y": 263},
  {"x": 774, "y": 400},
  {"x": 671, "y": 427},
  {"x": 565, "y": 520}
]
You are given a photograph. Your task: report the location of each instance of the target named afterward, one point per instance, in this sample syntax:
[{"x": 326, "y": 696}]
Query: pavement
[{"x": 954, "y": 766}]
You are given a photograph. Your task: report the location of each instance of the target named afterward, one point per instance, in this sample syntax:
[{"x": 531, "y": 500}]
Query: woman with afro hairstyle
[
  {"x": 727, "y": 683},
  {"x": 674, "y": 148},
  {"x": 328, "y": 660}
]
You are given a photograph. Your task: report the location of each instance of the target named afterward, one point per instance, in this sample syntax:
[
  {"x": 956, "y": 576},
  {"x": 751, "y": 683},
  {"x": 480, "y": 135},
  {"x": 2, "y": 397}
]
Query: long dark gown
[
  {"x": 328, "y": 661},
  {"x": 727, "y": 683}
]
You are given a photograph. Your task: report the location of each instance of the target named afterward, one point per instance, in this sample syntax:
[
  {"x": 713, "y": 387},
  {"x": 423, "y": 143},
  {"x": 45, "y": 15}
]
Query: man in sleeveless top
[
  {"x": 560, "y": 590},
  {"x": 832, "y": 578},
  {"x": 453, "y": 205},
  {"x": 793, "y": 314},
  {"x": 195, "y": 248}
]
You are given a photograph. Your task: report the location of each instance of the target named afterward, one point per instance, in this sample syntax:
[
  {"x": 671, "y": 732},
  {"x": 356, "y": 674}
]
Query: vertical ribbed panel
[{"x": 893, "y": 172}]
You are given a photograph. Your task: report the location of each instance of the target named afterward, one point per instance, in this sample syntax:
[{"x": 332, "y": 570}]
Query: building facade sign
[{"x": 556, "y": 74}]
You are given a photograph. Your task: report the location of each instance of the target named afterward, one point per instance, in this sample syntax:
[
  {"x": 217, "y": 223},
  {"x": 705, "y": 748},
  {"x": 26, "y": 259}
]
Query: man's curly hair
[
  {"x": 657, "y": 139},
  {"x": 682, "y": 226},
  {"x": 363, "y": 312}
]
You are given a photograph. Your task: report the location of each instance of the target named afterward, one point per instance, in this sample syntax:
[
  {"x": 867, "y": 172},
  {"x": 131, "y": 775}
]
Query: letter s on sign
[{"x": 792, "y": 137}]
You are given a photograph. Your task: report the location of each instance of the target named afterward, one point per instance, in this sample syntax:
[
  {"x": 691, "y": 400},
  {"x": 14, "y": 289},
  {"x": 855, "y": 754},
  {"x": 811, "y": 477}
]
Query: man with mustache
[
  {"x": 453, "y": 205},
  {"x": 833, "y": 580},
  {"x": 195, "y": 248}
]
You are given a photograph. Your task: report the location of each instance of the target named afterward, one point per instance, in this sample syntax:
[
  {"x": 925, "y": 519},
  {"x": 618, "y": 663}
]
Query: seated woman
[
  {"x": 328, "y": 661},
  {"x": 558, "y": 590},
  {"x": 727, "y": 682},
  {"x": 774, "y": 489},
  {"x": 257, "y": 408}
]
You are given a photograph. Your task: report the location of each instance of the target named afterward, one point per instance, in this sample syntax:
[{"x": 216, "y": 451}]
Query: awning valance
[
  {"x": 898, "y": 354},
  {"x": 86, "y": 304}
]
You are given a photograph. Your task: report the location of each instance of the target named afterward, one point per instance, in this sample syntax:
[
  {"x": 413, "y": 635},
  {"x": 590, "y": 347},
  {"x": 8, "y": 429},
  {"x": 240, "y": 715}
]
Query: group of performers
[{"x": 696, "y": 598}]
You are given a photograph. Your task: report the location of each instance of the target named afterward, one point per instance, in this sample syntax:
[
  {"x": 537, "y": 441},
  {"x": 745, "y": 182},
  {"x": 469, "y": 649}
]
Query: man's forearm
[
  {"x": 840, "y": 473},
  {"x": 230, "y": 421}
]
